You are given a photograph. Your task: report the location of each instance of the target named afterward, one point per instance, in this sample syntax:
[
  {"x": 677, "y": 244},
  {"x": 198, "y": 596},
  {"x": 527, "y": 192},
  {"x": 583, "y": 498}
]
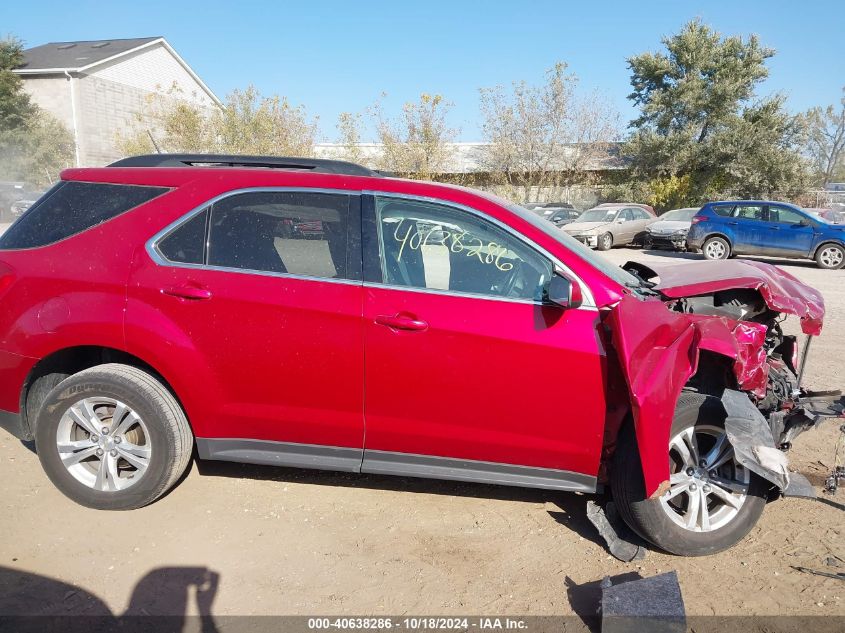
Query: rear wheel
[
  {"x": 712, "y": 501},
  {"x": 716, "y": 248},
  {"x": 830, "y": 256},
  {"x": 113, "y": 438},
  {"x": 604, "y": 242}
]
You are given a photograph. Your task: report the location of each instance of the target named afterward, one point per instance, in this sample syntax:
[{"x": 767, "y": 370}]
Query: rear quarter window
[{"x": 72, "y": 207}]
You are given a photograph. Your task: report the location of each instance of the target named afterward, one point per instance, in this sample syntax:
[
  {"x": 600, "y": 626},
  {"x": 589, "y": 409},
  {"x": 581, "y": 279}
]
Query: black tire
[
  {"x": 604, "y": 242},
  {"x": 830, "y": 256},
  {"x": 716, "y": 248},
  {"x": 651, "y": 521},
  {"x": 167, "y": 433}
]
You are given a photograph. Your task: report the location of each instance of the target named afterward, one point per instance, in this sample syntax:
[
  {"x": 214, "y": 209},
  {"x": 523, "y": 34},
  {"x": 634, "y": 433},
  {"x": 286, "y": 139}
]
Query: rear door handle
[
  {"x": 187, "y": 292},
  {"x": 402, "y": 322}
]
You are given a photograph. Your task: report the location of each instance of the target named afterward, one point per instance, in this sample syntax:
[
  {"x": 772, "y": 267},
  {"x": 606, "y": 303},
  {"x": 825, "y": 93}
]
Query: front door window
[{"x": 432, "y": 246}]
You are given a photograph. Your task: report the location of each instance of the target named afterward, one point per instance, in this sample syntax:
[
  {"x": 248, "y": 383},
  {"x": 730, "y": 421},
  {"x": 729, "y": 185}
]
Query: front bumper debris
[
  {"x": 676, "y": 242},
  {"x": 589, "y": 240},
  {"x": 751, "y": 437}
]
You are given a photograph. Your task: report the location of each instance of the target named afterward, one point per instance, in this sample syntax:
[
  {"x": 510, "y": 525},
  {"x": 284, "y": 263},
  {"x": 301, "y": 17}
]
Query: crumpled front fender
[{"x": 658, "y": 351}]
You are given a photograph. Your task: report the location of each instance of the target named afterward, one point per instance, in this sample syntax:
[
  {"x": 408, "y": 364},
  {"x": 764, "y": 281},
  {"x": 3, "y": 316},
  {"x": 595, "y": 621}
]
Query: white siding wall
[{"x": 153, "y": 69}]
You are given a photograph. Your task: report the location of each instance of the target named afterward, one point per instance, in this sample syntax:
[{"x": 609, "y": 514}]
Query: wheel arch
[
  {"x": 824, "y": 243},
  {"x": 724, "y": 236},
  {"x": 65, "y": 362}
]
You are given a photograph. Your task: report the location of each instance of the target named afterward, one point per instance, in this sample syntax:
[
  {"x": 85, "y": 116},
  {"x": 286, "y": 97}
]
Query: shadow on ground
[
  {"x": 572, "y": 511},
  {"x": 31, "y": 602}
]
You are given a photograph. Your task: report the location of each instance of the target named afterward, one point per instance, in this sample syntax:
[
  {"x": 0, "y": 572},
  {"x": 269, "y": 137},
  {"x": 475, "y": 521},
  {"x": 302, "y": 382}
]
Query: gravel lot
[{"x": 235, "y": 539}]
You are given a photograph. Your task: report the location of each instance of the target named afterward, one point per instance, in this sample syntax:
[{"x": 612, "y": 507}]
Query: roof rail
[{"x": 316, "y": 165}]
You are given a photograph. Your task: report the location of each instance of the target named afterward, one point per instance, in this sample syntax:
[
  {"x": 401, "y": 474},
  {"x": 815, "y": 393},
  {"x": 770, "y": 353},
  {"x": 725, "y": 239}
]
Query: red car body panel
[
  {"x": 304, "y": 361},
  {"x": 659, "y": 351},
  {"x": 781, "y": 291},
  {"x": 483, "y": 381},
  {"x": 265, "y": 357}
]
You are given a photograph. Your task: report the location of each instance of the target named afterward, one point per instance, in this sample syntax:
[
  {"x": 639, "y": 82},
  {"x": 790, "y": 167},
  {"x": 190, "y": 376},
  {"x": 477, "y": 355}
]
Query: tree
[
  {"x": 826, "y": 140},
  {"x": 34, "y": 145},
  {"x": 246, "y": 124},
  {"x": 701, "y": 124},
  {"x": 349, "y": 127},
  {"x": 417, "y": 143},
  {"x": 542, "y": 137}
]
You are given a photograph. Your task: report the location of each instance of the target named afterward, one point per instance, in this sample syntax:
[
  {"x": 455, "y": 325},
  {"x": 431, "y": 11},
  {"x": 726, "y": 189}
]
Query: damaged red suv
[{"x": 315, "y": 314}]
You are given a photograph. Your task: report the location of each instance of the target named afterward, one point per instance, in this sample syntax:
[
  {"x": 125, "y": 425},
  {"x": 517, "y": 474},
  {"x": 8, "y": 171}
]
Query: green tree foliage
[
  {"x": 248, "y": 123},
  {"x": 34, "y": 146},
  {"x": 701, "y": 122}
]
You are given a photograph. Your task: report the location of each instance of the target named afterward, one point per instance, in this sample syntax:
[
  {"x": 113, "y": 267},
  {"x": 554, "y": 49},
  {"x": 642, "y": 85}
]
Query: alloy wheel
[
  {"x": 715, "y": 250},
  {"x": 103, "y": 444},
  {"x": 831, "y": 257},
  {"x": 707, "y": 486}
]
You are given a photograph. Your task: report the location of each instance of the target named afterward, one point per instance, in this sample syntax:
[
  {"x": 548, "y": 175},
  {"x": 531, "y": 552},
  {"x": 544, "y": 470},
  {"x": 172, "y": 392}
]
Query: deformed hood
[
  {"x": 781, "y": 291},
  {"x": 669, "y": 226}
]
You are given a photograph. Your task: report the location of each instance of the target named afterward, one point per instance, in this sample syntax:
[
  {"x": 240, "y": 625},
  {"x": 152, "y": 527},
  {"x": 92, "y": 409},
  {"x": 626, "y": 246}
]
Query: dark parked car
[
  {"x": 562, "y": 217},
  {"x": 156, "y": 309},
  {"x": 758, "y": 227}
]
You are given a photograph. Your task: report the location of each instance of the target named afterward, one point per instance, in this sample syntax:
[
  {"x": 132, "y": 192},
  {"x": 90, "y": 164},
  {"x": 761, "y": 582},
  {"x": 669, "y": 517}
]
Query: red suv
[{"x": 315, "y": 314}]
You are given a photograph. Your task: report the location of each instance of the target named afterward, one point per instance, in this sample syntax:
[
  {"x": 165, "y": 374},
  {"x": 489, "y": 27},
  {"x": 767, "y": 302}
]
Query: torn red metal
[
  {"x": 780, "y": 290},
  {"x": 659, "y": 348}
]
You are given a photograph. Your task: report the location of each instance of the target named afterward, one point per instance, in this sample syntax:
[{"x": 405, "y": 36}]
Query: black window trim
[
  {"x": 353, "y": 240},
  {"x": 372, "y": 250}
]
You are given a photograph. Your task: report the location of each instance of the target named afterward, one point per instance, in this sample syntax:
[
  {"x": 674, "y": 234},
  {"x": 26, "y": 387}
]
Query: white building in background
[{"x": 98, "y": 88}]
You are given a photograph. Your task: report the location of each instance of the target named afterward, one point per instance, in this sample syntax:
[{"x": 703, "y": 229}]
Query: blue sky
[{"x": 340, "y": 56}]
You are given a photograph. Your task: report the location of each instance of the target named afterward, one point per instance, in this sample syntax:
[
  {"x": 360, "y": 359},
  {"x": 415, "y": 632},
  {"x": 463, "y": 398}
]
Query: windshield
[
  {"x": 684, "y": 215},
  {"x": 598, "y": 215},
  {"x": 581, "y": 250}
]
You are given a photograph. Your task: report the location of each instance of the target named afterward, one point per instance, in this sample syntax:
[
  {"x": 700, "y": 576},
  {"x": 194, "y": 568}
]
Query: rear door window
[
  {"x": 72, "y": 207},
  {"x": 724, "y": 210},
  {"x": 749, "y": 211},
  {"x": 187, "y": 243},
  {"x": 286, "y": 232}
]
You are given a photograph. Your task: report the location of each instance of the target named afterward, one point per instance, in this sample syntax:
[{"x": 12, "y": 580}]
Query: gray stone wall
[{"x": 106, "y": 109}]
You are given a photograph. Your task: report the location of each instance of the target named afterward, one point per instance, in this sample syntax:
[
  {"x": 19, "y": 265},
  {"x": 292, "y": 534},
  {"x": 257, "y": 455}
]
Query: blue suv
[{"x": 754, "y": 227}]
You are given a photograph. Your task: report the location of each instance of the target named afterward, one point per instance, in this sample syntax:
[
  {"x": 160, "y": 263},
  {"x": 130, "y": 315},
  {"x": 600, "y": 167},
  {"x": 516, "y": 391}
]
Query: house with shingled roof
[{"x": 98, "y": 89}]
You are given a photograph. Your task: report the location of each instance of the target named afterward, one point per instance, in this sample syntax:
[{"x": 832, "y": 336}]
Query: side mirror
[
  {"x": 564, "y": 292},
  {"x": 620, "y": 221}
]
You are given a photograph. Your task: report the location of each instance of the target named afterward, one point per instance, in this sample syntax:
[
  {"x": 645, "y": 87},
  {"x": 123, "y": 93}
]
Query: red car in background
[{"x": 154, "y": 306}]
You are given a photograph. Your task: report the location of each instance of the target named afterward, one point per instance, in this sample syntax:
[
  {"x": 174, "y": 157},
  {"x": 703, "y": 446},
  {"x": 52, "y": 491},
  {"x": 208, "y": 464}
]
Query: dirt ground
[{"x": 235, "y": 539}]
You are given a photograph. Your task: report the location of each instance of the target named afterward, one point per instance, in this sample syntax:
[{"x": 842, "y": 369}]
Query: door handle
[
  {"x": 187, "y": 292},
  {"x": 733, "y": 223},
  {"x": 402, "y": 322}
]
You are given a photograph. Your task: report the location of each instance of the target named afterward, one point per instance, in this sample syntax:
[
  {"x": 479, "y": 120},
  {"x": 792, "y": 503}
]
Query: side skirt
[
  {"x": 269, "y": 453},
  {"x": 354, "y": 460},
  {"x": 431, "y": 467}
]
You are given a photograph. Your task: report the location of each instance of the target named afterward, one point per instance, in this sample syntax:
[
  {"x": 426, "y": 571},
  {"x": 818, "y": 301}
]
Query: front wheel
[
  {"x": 830, "y": 257},
  {"x": 712, "y": 501},
  {"x": 113, "y": 438},
  {"x": 604, "y": 242}
]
